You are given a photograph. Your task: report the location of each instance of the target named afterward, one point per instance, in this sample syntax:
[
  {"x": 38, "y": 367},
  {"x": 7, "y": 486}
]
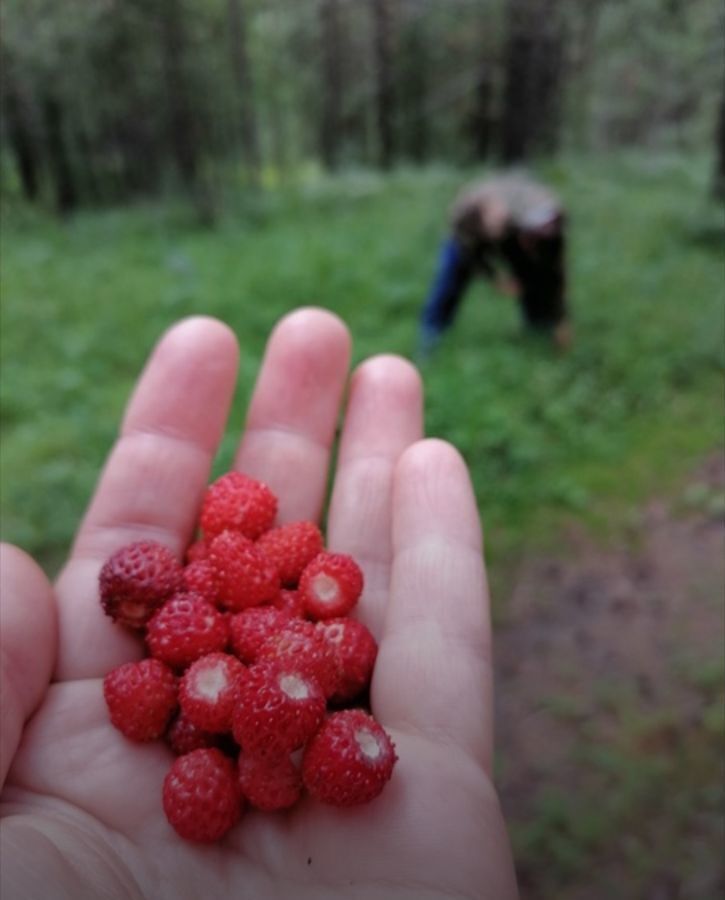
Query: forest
[{"x": 105, "y": 102}]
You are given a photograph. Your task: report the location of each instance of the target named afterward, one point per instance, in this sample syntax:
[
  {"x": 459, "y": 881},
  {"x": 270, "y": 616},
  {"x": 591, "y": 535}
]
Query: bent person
[{"x": 509, "y": 229}]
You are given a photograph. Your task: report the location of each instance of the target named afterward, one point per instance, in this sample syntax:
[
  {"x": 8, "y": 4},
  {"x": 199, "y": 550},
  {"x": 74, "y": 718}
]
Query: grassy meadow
[{"x": 619, "y": 418}]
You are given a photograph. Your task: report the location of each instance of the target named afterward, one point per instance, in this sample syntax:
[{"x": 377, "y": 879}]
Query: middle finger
[{"x": 294, "y": 411}]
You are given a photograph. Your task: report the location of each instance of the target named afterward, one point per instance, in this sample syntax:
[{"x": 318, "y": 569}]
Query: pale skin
[{"x": 81, "y": 806}]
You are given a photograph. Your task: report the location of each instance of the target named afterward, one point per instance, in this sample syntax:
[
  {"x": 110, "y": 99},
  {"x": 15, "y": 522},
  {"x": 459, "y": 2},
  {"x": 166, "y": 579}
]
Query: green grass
[
  {"x": 622, "y": 416},
  {"x": 587, "y": 437}
]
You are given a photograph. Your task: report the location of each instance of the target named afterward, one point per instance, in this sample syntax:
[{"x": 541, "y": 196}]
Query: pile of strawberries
[{"x": 256, "y": 676}]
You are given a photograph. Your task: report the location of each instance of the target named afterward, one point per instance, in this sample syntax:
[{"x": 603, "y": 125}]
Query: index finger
[{"x": 151, "y": 485}]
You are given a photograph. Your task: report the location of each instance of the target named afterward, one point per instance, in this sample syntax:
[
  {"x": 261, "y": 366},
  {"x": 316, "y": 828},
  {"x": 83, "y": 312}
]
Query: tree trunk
[
  {"x": 548, "y": 77},
  {"x": 90, "y": 184},
  {"x": 66, "y": 192},
  {"x": 383, "y": 18},
  {"x": 516, "y": 102},
  {"x": 332, "y": 77},
  {"x": 534, "y": 56},
  {"x": 237, "y": 18},
  {"x": 20, "y": 137},
  {"x": 719, "y": 177},
  {"x": 414, "y": 86},
  {"x": 131, "y": 130},
  {"x": 482, "y": 123},
  {"x": 581, "y": 69},
  {"x": 183, "y": 125}
]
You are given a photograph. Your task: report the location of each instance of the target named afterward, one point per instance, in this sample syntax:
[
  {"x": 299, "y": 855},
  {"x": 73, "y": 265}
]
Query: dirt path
[{"x": 610, "y": 709}]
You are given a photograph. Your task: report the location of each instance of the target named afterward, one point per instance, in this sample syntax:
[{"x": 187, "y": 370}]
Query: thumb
[{"x": 27, "y": 645}]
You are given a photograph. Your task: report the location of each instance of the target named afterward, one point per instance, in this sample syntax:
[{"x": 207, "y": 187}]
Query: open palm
[{"x": 81, "y": 806}]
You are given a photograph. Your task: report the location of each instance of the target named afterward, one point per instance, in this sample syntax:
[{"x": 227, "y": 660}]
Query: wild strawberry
[
  {"x": 269, "y": 785},
  {"x": 290, "y": 602},
  {"x": 208, "y": 691},
  {"x": 250, "y": 628},
  {"x": 141, "y": 697},
  {"x": 196, "y": 550},
  {"x": 349, "y": 760},
  {"x": 290, "y": 548},
  {"x": 245, "y": 577},
  {"x": 298, "y": 643},
  {"x": 200, "y": 578},
  {"x": 201, "y": 795},
  {"x": 239, "y": 503},
  {"x": 185, "y": 628},
  {"x": 278, "y": 710},
  {"x": 136, "y": 580},
  {"x": 330, "y": 586},
  {"x": 355, "y": 651},
  {"x": 183, "y": 736}
]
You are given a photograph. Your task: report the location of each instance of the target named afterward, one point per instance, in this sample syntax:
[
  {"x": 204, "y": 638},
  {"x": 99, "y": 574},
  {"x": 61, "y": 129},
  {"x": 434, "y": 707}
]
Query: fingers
[
  {"x": 152, "y": 483},
  {"x": 153, "y": 480},
  {"x": 294, "y": 411},
  {"x": 27, "y": 645},
  {"x": 433, "y": 674},
  {"x": 384, "y": 416}
]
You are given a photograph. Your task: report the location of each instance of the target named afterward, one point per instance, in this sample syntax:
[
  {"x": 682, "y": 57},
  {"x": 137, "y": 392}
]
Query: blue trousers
[{"x": 453, "y": 274}]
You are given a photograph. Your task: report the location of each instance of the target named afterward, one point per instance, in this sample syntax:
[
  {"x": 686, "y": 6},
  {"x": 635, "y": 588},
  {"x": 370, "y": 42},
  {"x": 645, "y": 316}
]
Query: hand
[
  {"x": 82, "y": 805},
  {"x": 507, "y": 285},
  {"x": 563, "y": 336}
]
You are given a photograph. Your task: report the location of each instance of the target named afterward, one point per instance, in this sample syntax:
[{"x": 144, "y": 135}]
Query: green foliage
[
  {"x": 546, "y": 437},
  {"x": 656, "y": 72},
  {"x": 647, "y": 72}
]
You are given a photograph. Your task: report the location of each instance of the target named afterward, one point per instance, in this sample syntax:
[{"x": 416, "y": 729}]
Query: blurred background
[{"x": 243, "y": 157}]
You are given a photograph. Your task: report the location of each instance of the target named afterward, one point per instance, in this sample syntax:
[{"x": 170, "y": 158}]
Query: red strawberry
[
  {"x": 355, "y": 651},
  {"x": 209, "y": 689},
  {"x": 269, "y": 785},
  {"x": 183, "y": 736},
  {"x": 299, "y": 644},
  {"x": 196, "y": 551},
  {"x": 141, "y": 697},
  {"x": 290, "y": 548},
  {"x": 239, "y": 503},
  {"x": 136, "y": 580},
  {"x": 250, "y": 628},
  {"x": 349, "y": 760},
  {"x": 330, "y": 586},
  {"x": 200, "y": 578},
  {"x": 185, "y": 628},
  {"x": 201, "y": 795},
  {"x": 245, "y": 577},
  {"x": 290, "y": 602},
  {"x": 278, "y": 710}
]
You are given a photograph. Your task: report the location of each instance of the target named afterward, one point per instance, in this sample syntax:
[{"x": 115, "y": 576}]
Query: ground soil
[{"x": 609, "y": 677}]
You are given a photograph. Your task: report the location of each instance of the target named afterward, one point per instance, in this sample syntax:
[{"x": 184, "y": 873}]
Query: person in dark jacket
[{"x": 511, "y": 230}]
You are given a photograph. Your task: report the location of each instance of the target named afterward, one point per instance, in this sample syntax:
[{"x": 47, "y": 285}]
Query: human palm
[{"x": 81, "y": 805}]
